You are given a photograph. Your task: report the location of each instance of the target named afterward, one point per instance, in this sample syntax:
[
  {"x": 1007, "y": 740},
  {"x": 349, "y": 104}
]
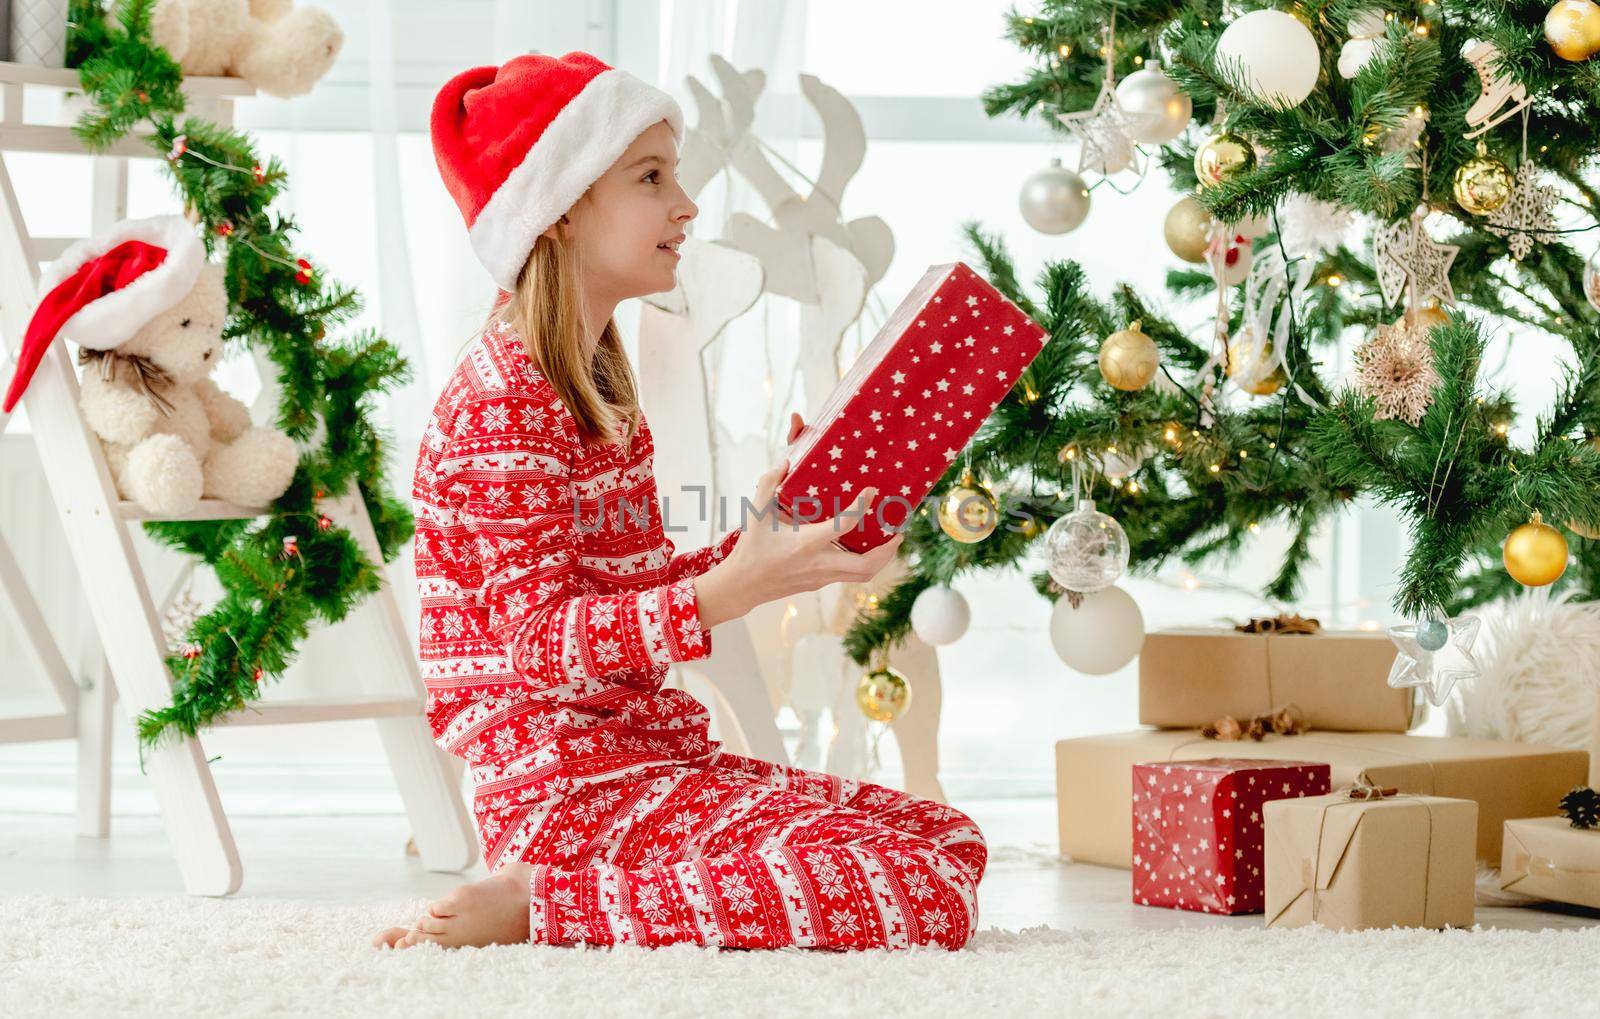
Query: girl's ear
[{"x": 560, "y": 229}]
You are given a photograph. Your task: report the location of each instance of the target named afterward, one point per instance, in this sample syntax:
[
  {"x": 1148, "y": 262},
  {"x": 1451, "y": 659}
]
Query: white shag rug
[{"x": 254, "y": 957}]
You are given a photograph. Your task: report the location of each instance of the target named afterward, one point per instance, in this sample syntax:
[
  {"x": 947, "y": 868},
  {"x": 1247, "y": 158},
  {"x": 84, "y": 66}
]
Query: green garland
[
  {"x": 282, "y": 572},
  {"x": 1295, "y": 460}
]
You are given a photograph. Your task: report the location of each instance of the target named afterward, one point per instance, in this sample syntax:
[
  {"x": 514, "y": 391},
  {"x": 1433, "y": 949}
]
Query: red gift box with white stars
[
  {"x": 1197, "y": 829},
  {"x": 905, "y": 410}
]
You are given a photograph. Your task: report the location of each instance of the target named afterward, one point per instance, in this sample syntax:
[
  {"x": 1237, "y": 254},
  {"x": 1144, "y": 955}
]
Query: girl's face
[{"x": 628, "y": 226}]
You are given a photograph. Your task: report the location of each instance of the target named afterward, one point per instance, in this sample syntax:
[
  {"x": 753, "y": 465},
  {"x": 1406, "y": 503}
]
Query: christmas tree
[{"x": 1407, "y": 177}]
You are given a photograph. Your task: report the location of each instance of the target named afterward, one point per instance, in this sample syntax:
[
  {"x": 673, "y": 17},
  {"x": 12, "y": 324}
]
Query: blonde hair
[{"x": 546, "y": 311}]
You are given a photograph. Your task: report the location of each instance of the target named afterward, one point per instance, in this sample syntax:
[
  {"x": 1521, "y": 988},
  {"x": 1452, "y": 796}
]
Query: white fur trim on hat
[
  {"x": 112, "y": 320},
  {"x": 590, "y": 133}
]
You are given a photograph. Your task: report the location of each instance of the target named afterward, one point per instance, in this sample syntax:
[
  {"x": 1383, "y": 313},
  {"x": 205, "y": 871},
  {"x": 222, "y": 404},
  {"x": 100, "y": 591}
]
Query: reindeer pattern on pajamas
[{"x": 552, "y": 606}]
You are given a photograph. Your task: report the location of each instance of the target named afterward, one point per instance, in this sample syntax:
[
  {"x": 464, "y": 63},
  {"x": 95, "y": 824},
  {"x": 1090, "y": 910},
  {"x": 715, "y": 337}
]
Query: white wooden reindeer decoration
[{"x": 809, "y": 254}]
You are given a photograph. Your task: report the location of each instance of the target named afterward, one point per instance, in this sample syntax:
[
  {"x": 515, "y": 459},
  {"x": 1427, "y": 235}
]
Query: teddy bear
[
  {"x": 202, "y": 443},
  {"x": 281, "y": 49}
]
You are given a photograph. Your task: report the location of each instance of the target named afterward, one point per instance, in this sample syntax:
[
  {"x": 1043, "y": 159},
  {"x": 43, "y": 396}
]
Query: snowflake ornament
[
  {"x": 1103, "y": 130},
  {"x": 1527, "y": 215},
  {"x": 1310, "y": 226},
  {"x": 1395, "y": 370},
  {"x": 1407, "y": 257}
]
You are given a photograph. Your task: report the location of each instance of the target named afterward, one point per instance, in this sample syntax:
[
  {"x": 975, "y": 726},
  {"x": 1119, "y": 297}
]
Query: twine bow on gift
[
  {"x": 1283, "y": 624},
  {"x": 148, "y": 378},
  {"x": 1361, "y": 789}
]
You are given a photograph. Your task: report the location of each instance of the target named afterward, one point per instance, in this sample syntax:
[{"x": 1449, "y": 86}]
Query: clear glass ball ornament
[{"x": 1086, "y": 550}]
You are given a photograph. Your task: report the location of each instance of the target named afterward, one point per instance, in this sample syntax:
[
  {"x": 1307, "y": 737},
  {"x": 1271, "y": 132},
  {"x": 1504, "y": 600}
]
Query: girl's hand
[
  {"x": 796, "y": 426},
  {"x": 776, "y": 557}
]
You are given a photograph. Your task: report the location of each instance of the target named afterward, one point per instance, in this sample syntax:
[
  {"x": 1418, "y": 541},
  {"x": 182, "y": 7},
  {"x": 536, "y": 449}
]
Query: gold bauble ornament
[
  {"x": 1241, "y": 369},
  {"x": 1129, "y": 359},
  {"x": 1222, "y": 156},
  {"x": 1482, "y": 184},
  {"x": 1572, "y": 28},
  {"x": 969, "y": 512},
  {"x": 1535, "y": 554},
  {"x": 883, "y": 694},
  {"x": 1188, "y": 230}
]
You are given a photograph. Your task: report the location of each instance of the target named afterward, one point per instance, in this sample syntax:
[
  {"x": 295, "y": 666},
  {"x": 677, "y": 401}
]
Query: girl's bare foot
[{"x": 493, "y": 911}]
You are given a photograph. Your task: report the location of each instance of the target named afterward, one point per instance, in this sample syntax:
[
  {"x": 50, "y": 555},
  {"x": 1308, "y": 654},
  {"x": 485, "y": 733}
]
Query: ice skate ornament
[
  {"x": 1411, "y": 264},
  {"x": 1498, "y": 90},
  {"x": 1527, "y": 215}
]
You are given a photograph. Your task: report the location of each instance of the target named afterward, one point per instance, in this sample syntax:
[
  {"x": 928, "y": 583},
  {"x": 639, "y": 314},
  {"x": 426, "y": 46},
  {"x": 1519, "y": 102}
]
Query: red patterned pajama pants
[{"x": 750, "y": 854}]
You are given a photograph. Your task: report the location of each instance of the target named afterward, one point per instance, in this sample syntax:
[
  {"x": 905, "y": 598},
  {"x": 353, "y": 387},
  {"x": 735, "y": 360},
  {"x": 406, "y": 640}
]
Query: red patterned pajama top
[{"x": 552, "y": 602}]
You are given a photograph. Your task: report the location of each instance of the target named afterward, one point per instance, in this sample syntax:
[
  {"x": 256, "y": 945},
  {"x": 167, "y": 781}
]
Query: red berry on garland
[
  {"x": 304, "y": 275},
  {"x": 257, "y": 674},
  {"x": 144, "y": 97},
  {"x": 191, "y": 651},
  {"x": 259, "y": 173},
  {"x": 320, "y": 493},
  {"x": 291, "y": 546},
  {"x": 224, "y": 229},
  {"x": 324, "y": 521},
  {"x": 180, "y": 145}
]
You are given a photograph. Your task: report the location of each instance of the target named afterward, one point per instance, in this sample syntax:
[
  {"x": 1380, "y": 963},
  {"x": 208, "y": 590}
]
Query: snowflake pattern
[
  {"x": 545, "y": 672},
  {"x": 1527, "y": 215},
  {"x": 1395, "y": 370}
]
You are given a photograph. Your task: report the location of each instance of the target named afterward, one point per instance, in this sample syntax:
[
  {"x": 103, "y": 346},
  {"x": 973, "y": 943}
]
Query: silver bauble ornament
[
  {"x": 1591, "y": 280},
  {"x": 1055, "y": 200},
  {"x": 940, "y": 615},
  {"x": 1157, "y": 110},
  {"x": 1086, "y": 550}
]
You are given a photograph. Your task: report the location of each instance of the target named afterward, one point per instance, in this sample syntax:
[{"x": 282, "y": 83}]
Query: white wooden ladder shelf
[{"x": 125, "y": 614}]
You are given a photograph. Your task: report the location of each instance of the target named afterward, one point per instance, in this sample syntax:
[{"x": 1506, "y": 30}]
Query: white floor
[{"x": 361, "y": 858}]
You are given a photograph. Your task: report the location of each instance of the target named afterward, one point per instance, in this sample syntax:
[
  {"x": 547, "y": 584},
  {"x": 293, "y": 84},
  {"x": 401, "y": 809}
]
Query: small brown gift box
[
  {"x": 1348, "y": 864},
  {"x": 1094, "y": 777},
  {"x": 1338, "y": 679},
  {"x": 1548, "y": 858}
]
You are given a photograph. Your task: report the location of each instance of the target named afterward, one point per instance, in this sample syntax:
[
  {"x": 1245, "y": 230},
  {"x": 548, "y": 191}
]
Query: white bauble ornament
[
  {"x": 1278, "y": 54},
  {"x": 1366, "y": 32},
  {"x": 1086, "y": 550},
  {"x": 1157, "y": 110},
  {"x": 940, "y": 615},
  {"x": 1101, "y": 635},
  {"x": 1055, "y": 200}
]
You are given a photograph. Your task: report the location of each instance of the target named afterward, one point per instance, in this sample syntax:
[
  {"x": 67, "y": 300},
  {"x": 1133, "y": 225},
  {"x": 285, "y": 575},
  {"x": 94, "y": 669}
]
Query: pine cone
[
  {"x": 1289, "y": 721},
  {"x": 1581, "y": 807}
]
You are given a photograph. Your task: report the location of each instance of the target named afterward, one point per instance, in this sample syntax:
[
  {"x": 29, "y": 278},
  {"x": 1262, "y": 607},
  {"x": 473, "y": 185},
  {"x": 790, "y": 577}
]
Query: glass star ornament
[
  {"x": 1408, "y": 259},
  {"x": 1103, "y": 130},
  {"x": 1434, "y": 655},
  {"x": 1526, "y": 216}
]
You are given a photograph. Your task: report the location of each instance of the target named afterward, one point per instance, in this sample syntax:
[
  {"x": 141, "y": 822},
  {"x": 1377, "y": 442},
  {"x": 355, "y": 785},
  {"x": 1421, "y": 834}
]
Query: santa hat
[
  {"x": 518, "y": 144},
  {"x": 104, "y": 289}
]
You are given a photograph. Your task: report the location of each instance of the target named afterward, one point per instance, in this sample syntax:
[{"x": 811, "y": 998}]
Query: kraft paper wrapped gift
[
  {"x": 1349, "y": 864},
  {"x": 1549, "y": 859},
  {"x": 1094, "y": 777},
  {"x": 1339, "y": 679}
]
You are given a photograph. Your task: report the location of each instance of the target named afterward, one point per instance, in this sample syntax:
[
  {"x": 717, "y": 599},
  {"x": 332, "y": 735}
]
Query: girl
[{"x": 553, "y": 602}]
